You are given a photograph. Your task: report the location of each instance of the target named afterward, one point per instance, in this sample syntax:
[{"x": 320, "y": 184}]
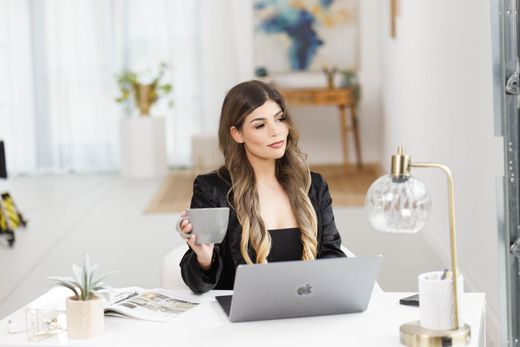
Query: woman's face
[{"x": 264, "y": 132}]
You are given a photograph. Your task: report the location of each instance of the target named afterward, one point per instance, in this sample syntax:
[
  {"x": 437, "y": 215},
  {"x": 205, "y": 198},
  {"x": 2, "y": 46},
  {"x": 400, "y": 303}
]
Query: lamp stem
[{"x": 453, "y": 240}]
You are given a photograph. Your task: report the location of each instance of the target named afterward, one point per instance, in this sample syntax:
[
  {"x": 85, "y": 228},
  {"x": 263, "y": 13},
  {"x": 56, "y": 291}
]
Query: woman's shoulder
[
  {"x": 317, "y": 179},
  {"x": 211, "y": 189},
  {"x": 318, "y": 186},
  {"x": 215, "y": 178}
]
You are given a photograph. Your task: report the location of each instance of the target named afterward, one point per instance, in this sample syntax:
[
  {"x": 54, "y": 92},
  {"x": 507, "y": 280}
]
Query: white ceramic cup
[
  {"x": 436, "y": 302},
  {"x": 209, "y": 224}
]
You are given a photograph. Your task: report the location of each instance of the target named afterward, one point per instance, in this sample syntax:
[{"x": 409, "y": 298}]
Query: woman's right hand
[{"x": 204, "y": 252}]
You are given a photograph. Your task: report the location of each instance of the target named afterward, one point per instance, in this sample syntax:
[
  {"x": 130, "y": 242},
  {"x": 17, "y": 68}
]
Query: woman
[{"x": 279, "y": 210}]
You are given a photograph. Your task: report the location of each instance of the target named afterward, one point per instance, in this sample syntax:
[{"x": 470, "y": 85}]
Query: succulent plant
[{"x": 84, "y": 284}]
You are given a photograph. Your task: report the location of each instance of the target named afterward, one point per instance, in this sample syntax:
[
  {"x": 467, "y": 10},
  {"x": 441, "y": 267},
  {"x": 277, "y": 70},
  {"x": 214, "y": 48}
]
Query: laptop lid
[{"x": 303, "y": 288}]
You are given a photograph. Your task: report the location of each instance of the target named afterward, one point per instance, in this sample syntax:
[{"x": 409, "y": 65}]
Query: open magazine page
[{"x": 148, "y": 304}]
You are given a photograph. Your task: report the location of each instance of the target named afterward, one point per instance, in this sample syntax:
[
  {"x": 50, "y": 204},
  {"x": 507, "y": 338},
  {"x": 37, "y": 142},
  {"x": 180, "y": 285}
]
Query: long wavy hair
[{"x": 291, "y": 171}]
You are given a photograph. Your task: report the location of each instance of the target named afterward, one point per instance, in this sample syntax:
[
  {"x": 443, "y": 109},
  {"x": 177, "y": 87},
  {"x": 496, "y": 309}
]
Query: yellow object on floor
[{"x": 10, "y": 218}]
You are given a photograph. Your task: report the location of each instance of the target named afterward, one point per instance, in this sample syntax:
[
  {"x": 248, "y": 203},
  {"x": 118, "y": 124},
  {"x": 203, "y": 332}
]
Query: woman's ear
[{"x": 236, "y": 135}]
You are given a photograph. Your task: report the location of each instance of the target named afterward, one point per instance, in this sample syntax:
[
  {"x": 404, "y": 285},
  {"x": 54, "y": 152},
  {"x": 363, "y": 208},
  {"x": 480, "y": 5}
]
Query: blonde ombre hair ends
[{"x": 291, "y": 171}]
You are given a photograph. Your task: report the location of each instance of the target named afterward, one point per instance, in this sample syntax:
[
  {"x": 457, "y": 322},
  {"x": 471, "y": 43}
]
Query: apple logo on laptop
[{"x": 305, "y": 290}]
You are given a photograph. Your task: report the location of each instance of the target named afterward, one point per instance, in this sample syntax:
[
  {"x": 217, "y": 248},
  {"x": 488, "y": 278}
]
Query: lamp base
[{"x": 413, "y": 335}]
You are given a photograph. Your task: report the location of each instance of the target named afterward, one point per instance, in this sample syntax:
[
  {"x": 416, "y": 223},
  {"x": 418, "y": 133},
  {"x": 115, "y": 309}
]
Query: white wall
[
  {"x": 437, "y": 102},
  {"x": 228, "y": 58},
  {"x": 227, "y": 54}
]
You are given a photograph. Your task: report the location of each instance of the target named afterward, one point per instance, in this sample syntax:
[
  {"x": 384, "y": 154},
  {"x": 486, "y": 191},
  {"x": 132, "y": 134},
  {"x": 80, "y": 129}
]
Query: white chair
[
  {"x": 170, "y": 270},
  {"x": 171, "y": 273}
]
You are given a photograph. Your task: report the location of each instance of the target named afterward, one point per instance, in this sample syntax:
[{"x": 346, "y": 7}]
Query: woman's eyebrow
[
  {"x": 261, "y": 118},
  {"x": 256, "y": 120}
]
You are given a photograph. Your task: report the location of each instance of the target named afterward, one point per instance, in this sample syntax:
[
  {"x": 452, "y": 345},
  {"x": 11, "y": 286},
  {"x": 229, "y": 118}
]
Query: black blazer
[{"x": 210, "y": 190}]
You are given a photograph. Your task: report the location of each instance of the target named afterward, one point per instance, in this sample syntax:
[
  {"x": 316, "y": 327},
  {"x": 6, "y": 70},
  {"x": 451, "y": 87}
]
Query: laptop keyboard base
[{"x": 225, "y": 302}]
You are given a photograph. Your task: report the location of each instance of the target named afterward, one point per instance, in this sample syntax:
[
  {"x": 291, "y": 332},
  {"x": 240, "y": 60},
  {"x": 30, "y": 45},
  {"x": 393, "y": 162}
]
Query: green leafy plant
[
  {"x": 350, "y": 80},
  {"x": 329, "y": 73},
  {"x": 137, "y": 93},
  {"x": 84, "y": 284}
]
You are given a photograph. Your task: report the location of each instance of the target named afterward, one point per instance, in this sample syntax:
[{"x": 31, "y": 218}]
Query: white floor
[{"x": 103, "y": 215}]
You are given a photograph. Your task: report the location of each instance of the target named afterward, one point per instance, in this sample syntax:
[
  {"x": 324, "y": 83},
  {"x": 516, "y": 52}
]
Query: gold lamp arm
[{"x": 453, "y": 240}]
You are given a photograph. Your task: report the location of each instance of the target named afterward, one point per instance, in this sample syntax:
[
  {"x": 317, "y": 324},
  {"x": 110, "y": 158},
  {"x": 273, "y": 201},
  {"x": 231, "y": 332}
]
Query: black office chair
[
  {"x": 3, "y": 167},
  {"x": 10, "y": 217}
]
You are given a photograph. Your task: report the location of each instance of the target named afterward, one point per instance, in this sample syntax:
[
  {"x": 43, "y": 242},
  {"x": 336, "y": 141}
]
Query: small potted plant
[
  {"x": 330, "y": 73},
  {"x": 350, "y": 80},
  {"x": 85, "y": 309},
  {"x": 141, "y": 92}
]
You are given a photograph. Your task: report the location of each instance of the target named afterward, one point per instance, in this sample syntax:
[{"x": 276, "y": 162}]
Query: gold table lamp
[{"x": 400, "y": 203}]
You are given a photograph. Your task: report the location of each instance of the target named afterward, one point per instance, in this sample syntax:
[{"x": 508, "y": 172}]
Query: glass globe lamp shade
[{"x": 398, "y": 204}]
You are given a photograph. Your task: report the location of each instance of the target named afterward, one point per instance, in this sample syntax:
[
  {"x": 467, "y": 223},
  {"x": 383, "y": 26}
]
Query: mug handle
[{"x": 178, "y": 227}]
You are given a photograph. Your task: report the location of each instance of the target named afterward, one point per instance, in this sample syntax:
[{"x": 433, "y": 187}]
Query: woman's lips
[{"x": 277, "y": 144}]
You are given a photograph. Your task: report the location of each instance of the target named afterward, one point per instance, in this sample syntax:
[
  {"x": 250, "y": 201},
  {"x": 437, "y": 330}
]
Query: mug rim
[{"x": 207, "y": 208}]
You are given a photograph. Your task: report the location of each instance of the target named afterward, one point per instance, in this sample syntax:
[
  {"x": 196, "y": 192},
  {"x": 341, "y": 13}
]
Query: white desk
[{"x": 207, "y": 325}]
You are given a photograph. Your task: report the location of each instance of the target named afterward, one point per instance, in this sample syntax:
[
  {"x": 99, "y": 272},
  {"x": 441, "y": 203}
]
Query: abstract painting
[{"x": 306, "y": 35}]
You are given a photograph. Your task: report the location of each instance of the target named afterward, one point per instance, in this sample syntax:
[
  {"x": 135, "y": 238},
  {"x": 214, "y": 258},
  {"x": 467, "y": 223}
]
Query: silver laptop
[{"x": 301, "y": 288}]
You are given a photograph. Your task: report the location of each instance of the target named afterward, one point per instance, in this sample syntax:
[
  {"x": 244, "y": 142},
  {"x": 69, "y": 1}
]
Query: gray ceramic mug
[{"x": 209, "y": 224}]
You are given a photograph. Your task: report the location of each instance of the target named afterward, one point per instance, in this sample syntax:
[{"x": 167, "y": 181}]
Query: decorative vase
[
  {"x": 145, "y": 96},
  {"x": 85, "y": 319}
]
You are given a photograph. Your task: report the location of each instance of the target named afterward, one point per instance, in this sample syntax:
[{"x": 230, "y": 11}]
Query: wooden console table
[{"x": 340, "y": 97}]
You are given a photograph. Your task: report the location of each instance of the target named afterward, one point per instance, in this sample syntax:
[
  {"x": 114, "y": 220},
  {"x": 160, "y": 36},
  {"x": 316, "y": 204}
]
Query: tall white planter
[{"x": 143, "y": 147}]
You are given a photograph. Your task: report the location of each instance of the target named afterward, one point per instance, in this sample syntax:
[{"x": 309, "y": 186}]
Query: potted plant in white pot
[
  {"x": 85, "y": 309},
  {"x": 143, "y": 139}
]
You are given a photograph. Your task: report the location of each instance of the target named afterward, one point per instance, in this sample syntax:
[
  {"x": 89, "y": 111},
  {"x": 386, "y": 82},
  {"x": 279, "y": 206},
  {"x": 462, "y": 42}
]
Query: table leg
[
  {"x": 344, "y": 133},
  {"x": 355, "y": 127}
]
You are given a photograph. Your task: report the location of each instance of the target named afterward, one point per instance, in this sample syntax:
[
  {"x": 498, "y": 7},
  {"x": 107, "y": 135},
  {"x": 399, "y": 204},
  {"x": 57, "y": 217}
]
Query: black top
[
  {"x": 211, "y": 190},
  {"x": 286, "y": 244}
]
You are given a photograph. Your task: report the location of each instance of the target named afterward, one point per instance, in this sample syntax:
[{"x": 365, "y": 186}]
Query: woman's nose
[{"x": 275, "y": 130}]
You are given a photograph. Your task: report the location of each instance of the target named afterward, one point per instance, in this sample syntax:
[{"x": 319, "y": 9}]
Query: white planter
[
  {"x": 143, "y": 147},
  {"x": 85, "y": 319}
]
